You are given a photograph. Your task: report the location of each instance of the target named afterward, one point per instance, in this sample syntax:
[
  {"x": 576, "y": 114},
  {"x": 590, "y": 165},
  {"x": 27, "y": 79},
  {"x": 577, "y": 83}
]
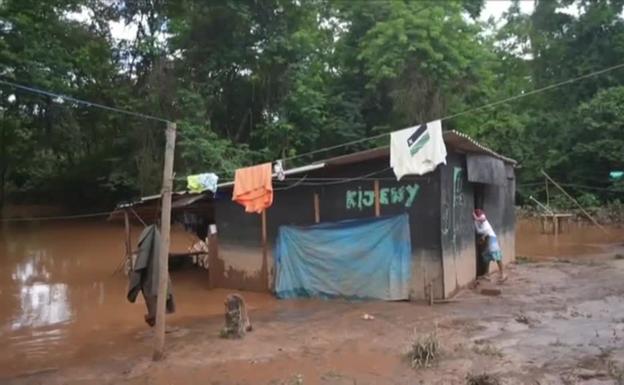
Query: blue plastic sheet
[{"x": 354, "y": 259}]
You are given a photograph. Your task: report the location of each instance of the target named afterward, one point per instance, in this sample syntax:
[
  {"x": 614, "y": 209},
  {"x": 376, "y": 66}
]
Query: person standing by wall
[{"x": 490, "y": 249}]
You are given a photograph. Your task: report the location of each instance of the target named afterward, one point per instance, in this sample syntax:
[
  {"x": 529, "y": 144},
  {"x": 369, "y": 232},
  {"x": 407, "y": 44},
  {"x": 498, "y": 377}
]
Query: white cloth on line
[{"x": 417, "y": 150}]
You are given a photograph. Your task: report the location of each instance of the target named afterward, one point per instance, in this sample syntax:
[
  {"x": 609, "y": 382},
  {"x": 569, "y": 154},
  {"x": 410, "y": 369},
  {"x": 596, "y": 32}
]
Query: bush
[{"x": 424, "y": 351}]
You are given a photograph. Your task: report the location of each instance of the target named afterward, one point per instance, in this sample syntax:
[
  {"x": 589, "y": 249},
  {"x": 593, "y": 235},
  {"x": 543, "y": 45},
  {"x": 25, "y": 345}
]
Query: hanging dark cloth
[{"x": 144, "y": 274}]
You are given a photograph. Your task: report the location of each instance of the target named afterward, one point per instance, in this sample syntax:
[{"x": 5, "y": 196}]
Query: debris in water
[{"x": 367, "y": 317}]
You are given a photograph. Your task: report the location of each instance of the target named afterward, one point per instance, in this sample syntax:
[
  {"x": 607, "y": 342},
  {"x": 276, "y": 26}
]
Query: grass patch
[
  {"x": 425, "y": 351},
  {"x": 487, "y": 350},
  {"x": 482, "y": 379},
  {"x": 521, "y": 259},
  {"x": 557, "y": 343},
  {"x": 615, "y": 372}
]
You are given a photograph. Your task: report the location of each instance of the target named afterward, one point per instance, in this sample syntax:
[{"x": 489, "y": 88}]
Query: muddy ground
[
  {"x": 559, "y": 320},
  {"x": 555, "y": 323}
]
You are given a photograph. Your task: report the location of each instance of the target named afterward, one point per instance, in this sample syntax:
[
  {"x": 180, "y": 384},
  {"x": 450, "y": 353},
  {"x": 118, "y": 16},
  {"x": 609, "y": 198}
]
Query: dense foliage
[{"x": 254, "y": 80}]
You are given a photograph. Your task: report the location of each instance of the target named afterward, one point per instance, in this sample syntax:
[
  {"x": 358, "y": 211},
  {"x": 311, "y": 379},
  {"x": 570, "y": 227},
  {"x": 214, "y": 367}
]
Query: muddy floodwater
[
  {"x": 577, "y": 239},
  {"x": 63, "y": 296}
]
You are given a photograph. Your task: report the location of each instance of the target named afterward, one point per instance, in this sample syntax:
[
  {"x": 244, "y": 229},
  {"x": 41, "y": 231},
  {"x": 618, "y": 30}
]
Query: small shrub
[
  {"x": 487, "y": 350},
  {"x": 424, "y": 351}
]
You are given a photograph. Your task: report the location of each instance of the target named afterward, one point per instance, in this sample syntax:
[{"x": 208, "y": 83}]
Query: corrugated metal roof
[
  {"x": 453, "y": 139},
  {"x": 465, "y": 143}
]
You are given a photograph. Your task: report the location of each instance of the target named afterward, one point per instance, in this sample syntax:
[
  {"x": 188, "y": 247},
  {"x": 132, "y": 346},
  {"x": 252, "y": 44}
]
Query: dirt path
[{"x": 555, "y": 323}]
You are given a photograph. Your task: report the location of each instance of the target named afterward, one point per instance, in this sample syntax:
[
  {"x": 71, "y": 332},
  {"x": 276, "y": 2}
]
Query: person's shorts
[
  {"x": 492, "y": 252},
  {"x": 492, "y": 256}
]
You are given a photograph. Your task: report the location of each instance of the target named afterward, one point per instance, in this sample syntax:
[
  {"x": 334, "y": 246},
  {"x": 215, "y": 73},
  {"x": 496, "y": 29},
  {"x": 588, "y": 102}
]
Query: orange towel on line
[{"x": 253, "y": 187}]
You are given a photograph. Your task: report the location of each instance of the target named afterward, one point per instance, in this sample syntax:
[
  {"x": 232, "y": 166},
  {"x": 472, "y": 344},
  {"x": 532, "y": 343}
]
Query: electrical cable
[{"x": 83, "y": 102}]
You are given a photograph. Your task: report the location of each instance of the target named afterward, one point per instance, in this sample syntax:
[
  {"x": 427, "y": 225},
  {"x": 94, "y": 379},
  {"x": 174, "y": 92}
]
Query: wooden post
[
  {"x": 556, "y": 224},
  {"x": 575, "y": 202},
  {"x": 317, "y": 209},
  {"x": 165, "y": 228},
  {"x": 430, "y": 292},
  {"x": 128, "y": 234},
  {"x": 213, "y": 254},
  {"x": 265, "y": 252},
  {"x": 377, "y": 202}
]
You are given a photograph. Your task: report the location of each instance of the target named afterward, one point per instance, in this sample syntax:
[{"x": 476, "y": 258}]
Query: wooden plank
[
  {"x": 128, "y": 235},
  {"x": 165, "y": 232},
  {"x": 377, "y": 202},
  {"x": 317, "y": 209}
]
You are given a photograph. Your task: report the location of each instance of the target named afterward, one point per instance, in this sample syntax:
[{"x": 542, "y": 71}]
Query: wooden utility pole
[
  {"x": 165, "y": 227},
  {"x": 317, "y": 208}
]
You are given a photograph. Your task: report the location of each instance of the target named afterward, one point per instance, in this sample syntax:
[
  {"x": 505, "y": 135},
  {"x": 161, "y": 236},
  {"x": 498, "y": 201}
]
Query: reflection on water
[{"x": 42, "y": 304}]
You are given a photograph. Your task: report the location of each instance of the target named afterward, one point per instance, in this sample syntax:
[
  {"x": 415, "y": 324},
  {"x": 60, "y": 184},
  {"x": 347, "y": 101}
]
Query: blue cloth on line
[
  {"x": 202, "y": 182},
  {"x": 354, "y": 259}
]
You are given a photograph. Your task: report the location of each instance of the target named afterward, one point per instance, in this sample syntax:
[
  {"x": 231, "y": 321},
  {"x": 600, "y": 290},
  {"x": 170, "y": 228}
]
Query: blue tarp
[{"x": 355, "y": 259}]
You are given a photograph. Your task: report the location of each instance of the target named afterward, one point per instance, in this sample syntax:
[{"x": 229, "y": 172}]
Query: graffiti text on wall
[{"x": 400, "y": 195}]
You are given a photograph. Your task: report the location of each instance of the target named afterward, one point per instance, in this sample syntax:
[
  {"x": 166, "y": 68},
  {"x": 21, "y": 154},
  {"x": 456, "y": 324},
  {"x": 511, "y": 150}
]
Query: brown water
[
  {"x": 62, "y": 302},
  {"x": 577, "y": 239}
]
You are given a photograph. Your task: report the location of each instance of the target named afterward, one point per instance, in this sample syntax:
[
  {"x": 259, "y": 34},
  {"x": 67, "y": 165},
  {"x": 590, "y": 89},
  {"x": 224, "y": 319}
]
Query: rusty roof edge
[{"x": 482, "y": 147}]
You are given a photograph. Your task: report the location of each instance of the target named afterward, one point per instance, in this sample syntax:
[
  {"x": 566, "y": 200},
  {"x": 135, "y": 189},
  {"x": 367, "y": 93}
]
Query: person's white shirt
[{"x": 484, "y": 228}]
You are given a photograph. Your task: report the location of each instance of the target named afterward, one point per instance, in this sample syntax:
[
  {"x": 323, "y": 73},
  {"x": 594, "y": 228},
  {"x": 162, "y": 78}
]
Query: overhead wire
[
  {"x": 347, "y": 179},
  {"x": 81, "y": 101},
  {"x": 470, "y": 110},
  {"x": 59, "y": 217}
]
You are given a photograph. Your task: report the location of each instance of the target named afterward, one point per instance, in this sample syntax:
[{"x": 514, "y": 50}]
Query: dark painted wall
[
  {"x": 498, "y": 204},
  {"x": 440, "y": 205},
  {"x": 456, "y": 229}
]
